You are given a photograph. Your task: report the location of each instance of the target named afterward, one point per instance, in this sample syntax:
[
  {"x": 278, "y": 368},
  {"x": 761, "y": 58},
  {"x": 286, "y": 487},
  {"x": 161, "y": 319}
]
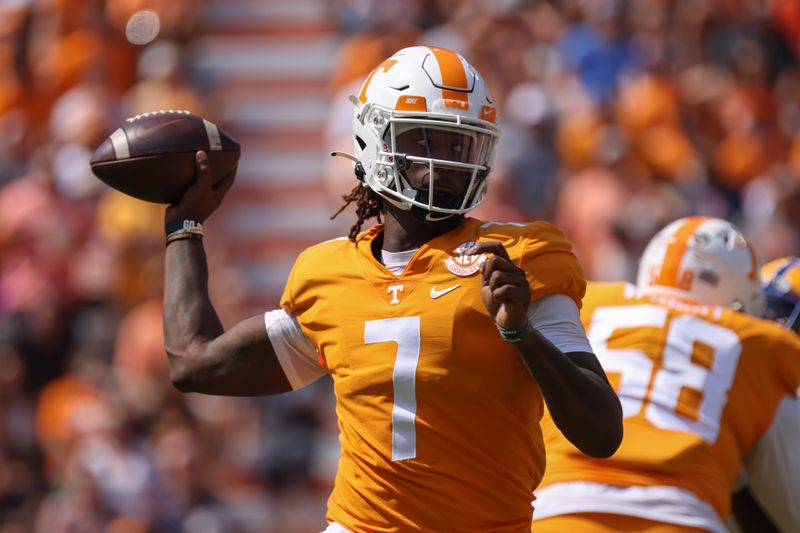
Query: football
[{"x": 151, "y": 157}]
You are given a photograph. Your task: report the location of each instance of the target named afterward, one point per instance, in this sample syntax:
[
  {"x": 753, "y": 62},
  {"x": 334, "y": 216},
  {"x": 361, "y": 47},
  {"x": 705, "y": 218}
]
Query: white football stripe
[
  {"x": 119, "y": 142},
  {"x": 214, "y": 142}
]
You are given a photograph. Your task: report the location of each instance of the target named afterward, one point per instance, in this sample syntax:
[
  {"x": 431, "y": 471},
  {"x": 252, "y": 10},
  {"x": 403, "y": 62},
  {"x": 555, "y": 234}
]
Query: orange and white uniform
[
  {"x": 438, "y": 416},
  {"x": 699, "y": 386}
]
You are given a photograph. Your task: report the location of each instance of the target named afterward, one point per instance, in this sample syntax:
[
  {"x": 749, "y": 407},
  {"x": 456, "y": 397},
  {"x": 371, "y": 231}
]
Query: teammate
[
  {"x": 699, "y": 379},
  {"x": 781, "y": 279},
  {"x": 444, "y": 335},
  {"x": 773, "y": 468}
]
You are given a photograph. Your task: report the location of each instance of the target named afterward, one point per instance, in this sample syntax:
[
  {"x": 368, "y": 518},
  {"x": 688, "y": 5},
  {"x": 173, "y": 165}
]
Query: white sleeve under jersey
[
  {"x": 773, "y": 467},
  {"x": 295, "y": 352},
  {"x": 556, "y": 317}
]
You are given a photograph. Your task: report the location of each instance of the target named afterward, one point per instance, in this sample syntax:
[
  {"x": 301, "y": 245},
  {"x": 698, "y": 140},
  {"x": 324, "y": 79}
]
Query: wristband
[
  {"x": 184, "y": 225},
  {"x": 183, "y": 235},
  {"x": 514, "y": 335}
]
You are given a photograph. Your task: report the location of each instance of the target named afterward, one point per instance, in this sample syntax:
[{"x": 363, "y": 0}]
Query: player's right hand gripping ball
[{"x": 151, "y": 157}]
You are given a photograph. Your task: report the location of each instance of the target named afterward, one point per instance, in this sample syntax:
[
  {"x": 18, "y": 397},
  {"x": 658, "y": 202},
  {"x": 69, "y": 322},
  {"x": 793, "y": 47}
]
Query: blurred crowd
[
  {"x": 92, "y": 435},
  {"x": 617, "y": 117}
]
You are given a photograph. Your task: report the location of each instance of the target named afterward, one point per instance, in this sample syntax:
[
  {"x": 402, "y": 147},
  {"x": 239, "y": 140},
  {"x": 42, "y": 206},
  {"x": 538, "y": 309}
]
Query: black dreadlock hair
[{"x": 368, "y": 203}]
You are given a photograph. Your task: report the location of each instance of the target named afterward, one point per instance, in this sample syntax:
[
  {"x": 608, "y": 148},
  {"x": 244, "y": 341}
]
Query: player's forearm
[
  {"x": 581, "y": 402},
  {"x": 190, "y": 320}
]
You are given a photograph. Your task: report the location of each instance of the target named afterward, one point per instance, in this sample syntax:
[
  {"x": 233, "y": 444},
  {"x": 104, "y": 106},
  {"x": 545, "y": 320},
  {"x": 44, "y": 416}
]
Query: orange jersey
[
  {"x": 438, "y": 416},
  {"x": 698, "y": 386}
]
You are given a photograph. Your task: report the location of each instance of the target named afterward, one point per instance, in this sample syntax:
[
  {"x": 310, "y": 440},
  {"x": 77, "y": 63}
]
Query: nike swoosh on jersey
[{"x": 439, "y": 293}]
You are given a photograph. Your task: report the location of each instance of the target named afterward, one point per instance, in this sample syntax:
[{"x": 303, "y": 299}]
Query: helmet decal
[
  {"x": 673, "y": 257},
  {"x": 411, "y": 103},
  {"x": 385, "y": 66},
  {"x": 489, "y": 112}
]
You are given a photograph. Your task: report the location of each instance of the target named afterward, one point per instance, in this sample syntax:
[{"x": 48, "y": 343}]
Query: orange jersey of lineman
[
  {"x": 698, "y": 386},
  {"x": 438, "y": 416}
]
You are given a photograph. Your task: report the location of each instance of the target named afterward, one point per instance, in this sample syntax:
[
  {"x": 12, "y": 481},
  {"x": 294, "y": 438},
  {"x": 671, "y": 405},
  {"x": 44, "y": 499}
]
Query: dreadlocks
[{"x": 368, "y": 205}]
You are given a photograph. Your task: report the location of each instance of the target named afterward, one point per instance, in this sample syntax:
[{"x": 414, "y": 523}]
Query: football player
[
  {"x": 700, "y": 379},
  {"x": 773, "y": 467},
  {"x": 781, "y": 279},
  {"x": 444, "y": 335}
]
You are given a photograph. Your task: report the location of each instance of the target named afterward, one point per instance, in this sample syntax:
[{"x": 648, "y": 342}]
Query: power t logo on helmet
[
  {"x": 424, "y": 132},
  {"x": 705, "y": 259}
]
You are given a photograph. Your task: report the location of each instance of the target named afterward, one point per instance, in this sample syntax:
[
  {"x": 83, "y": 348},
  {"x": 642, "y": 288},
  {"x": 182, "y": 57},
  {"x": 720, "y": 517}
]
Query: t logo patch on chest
[
  {"x": 394, "y": 290},
  {"x": 463, "y": 263}
]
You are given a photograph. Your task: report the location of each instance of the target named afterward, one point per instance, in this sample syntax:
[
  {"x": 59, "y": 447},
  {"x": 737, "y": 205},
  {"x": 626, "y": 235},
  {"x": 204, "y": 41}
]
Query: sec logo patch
[{"x": 463, "y": 263}]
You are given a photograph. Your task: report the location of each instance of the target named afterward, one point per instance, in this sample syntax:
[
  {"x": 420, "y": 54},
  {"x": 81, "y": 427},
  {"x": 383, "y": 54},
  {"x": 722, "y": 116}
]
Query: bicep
[
  {"x": 265, "y": 354},
  {"x": 773, "y": 466}
]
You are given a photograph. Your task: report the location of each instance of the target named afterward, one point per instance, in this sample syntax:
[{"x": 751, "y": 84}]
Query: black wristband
[{"x": 183, "y": 224}]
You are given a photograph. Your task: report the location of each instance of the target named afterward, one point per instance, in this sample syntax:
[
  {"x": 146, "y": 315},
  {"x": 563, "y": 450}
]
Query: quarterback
[
  {"x": 444, "y": 335},
  {"x": 700, "y": 379}
]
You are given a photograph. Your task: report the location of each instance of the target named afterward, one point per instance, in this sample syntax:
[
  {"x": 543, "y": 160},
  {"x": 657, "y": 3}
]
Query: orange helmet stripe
[
  {"x": 453, "y": 74},
  {"x": 385, "y": 66},
  {"x": 676, "y": 249}
]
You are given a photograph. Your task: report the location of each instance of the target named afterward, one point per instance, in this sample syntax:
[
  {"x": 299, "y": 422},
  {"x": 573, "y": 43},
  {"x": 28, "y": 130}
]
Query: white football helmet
[
  {"x": 705, "y": 259},
  {"x": 419, "y": 94}
]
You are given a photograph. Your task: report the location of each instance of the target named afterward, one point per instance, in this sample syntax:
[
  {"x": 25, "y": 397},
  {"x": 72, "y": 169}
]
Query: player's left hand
[{"x": 505, "y": 291}]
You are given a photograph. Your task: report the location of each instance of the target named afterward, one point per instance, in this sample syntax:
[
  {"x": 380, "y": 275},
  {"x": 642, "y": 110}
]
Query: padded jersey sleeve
[
  {"x": 296, "y": 352},
  {"x": 550, "y": 265},
  {"x": 290, "y": 289}
]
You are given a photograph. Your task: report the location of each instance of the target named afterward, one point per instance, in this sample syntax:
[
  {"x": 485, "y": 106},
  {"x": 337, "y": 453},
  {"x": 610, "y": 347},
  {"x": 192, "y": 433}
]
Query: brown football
[{"x": 151, "y": 157}]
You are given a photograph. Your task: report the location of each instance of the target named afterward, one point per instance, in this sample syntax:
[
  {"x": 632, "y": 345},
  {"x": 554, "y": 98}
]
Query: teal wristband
[{"x": 514, "y": 335}]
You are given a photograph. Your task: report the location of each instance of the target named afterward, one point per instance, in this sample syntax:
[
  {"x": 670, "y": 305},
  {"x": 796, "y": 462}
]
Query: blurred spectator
[{"x": 616, "y": 117}]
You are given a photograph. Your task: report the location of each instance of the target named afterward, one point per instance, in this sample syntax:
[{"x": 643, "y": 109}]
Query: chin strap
[
  {"x": 420, "y": 195},
  {"x": 359, "y": 169},
  {"x": 351, "y": 157}
]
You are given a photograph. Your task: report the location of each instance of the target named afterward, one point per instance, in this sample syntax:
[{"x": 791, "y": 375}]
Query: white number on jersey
[
  {"x": 677, "y": 390},
  {"x": 405, "y": 332}
]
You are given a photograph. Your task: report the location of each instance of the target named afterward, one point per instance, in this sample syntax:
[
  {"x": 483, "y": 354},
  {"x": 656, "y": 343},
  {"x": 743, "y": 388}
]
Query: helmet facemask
[
  {"x": 435, "y": 166},
  {"x": 783, "y": 311}
]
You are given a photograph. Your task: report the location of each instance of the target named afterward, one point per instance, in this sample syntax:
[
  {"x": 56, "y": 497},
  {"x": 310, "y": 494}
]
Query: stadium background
[{"x": 617, "y": 117}]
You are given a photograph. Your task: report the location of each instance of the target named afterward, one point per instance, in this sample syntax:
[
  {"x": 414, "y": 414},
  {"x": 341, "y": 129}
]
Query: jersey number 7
[{"x": 405, "y": 332}]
